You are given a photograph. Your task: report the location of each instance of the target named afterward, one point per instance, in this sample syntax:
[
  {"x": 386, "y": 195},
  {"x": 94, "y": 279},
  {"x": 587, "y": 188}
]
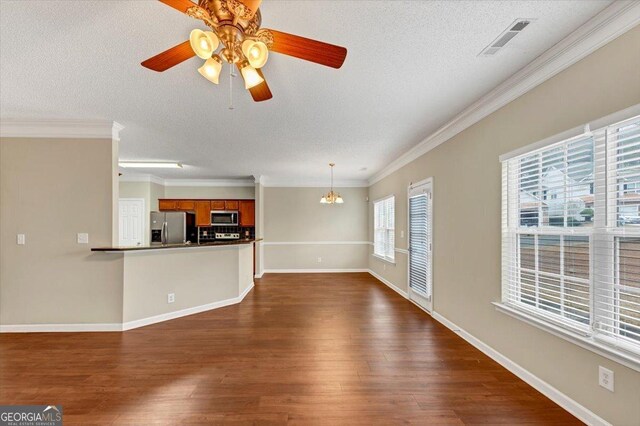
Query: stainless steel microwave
[{"x": 224, "y": 218}]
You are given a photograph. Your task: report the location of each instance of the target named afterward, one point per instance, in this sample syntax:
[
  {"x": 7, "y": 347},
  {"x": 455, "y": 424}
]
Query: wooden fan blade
[
  {"x": 307, "y": 49},
  {"x": 181, "y": 5},
  {"x": 170, "y": 58},
  {"x": 261, "y": 92}
]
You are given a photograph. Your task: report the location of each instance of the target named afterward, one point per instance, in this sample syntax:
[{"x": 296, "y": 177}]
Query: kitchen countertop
[{"x": 176, "y": 246}]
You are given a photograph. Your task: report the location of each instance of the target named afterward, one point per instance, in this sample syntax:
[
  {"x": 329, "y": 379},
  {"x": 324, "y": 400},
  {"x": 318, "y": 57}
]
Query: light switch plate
[
  {"x": 21, "y": 240},
  {"x": 605, "y": 378},
  {"x": 83, "y": 238}
]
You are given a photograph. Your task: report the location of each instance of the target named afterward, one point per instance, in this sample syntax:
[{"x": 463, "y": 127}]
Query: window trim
[
  {"x": 391, "y": 260},
  {"x": 597, "y": 342},
  {"x": 621, "y": 356},
  {"x": 576, "y": 132},
  {"x": 384, "y": 259}
]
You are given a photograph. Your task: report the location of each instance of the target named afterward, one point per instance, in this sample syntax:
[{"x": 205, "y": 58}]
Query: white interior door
[
  {"x": 420, "y": 244},
  {"x": 131, "y": 221}
]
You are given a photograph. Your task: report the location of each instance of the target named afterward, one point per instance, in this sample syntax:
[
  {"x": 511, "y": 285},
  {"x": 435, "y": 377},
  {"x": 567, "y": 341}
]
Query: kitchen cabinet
[
  {"x": 245, "y": 208},
  {"x": 231, "y": 205},
  {"x": 179, "y": 205},
  {"x": 186, "y": 205},
  {"x": 167, "y": 205},
  {"x": 247, "y": 211},
  {"x": 203, "y": 213},
  {"x": 217, "y": 205}
]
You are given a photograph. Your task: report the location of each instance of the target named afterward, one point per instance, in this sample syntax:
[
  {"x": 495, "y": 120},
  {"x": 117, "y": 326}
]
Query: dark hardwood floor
[{"x": 300, "y": 349}]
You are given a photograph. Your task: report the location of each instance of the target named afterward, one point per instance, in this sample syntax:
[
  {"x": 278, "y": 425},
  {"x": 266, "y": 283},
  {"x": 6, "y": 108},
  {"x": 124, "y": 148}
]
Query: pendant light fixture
[{"x": 331, "y": 197}]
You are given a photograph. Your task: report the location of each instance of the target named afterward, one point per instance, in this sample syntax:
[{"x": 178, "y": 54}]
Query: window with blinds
[
  {"x": 571, "y": 234},
  {"x": 384, "y": 243}
]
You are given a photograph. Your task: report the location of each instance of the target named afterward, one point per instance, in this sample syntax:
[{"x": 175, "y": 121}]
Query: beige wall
[
  {"x": 295, "y": 215},
  {"x": 210, "y": 192},
  {"x": 259, "y": 253},
  {"x": 156, "y": 192},
  {"x": 466, "y": 257},
  {"x": 50, "y": 190}
]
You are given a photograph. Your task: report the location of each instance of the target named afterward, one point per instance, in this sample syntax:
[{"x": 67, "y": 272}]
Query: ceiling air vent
[{"x": 513, "y": 30}]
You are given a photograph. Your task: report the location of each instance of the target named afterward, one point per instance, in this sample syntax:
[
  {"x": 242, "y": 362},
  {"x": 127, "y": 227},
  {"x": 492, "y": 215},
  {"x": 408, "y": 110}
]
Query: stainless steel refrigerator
[{"x": 171, "y": 227}]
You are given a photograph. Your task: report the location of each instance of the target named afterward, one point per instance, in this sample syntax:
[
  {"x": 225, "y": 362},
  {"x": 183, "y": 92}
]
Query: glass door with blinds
[{"x": 420, "y": 244}]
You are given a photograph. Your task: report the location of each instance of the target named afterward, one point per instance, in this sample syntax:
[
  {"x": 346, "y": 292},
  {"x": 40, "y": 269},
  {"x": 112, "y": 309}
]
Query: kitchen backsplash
[{"x": 207, "y": 233}]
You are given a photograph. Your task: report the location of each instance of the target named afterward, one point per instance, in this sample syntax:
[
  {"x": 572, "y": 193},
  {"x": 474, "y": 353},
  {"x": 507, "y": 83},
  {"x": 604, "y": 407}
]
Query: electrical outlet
[
  {"x": 605, "y": 378},
  {"x": 83, "y": 238},
  {"x": 21, "y": 240},
  {"x": 401, "y": 234},
  {"x": 171, "y": 297},
  {"x": 384, "y": 266},
  {"x": 319, "y": 260}
]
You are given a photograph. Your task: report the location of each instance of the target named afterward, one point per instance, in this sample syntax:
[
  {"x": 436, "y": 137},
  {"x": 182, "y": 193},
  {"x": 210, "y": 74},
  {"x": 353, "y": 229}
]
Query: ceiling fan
[{"x": 236, "y": 25}]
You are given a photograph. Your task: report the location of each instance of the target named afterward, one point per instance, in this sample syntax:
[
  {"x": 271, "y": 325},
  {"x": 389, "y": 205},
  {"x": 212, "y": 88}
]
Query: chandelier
[{"x": 331, "y": 197}]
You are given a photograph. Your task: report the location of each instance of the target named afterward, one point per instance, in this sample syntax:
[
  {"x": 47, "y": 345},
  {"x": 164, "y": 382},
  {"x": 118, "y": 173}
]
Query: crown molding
[
  {"x": 209, "y": 182},
  {"x": 313, "y": 183},
  {"x": 613, "y": 21},
  {"x": 59, "y": 128},
  {"x": 258, "y": 179},
  {"x": 142, "y": 178},
  {"x": 288, "y": 183},
  {"x": 188, "y": 182}
]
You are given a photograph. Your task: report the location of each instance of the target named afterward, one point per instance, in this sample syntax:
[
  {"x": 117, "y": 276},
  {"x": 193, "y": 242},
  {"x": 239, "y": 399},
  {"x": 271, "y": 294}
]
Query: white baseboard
[
  {"x": 311, "y": 271},
  {"x": 59, "y": 328},
  {"x": 245, "y": 292},
  {"x": 42, "y": 328},
  {"x": 581, "y": 412},
  {"x": 259, "y": 275},
  {"x": 389, "y": 284},
  {"x": 185, "y": 312}
]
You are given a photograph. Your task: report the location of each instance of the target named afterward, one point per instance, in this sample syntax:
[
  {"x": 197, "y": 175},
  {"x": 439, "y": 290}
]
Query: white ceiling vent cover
[{"x": 513, "y": 30}]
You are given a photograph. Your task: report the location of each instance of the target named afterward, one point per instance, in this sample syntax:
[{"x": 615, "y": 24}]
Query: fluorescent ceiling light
[{"x": 148, "y": 165}]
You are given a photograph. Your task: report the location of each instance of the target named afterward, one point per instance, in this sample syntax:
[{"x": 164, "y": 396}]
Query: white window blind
[
  {"x": 384, "y": 228},
  {"x": 571, "y": 234}
]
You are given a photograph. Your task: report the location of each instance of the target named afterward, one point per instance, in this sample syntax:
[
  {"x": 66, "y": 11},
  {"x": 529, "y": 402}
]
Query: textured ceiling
[{"x": 411, "y": 66}]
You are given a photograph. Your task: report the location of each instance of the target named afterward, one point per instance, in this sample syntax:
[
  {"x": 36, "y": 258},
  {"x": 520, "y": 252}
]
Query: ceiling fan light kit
[
  {"x": 250, "y": 76},
  {"x": 211, "y": 69},
  {"x": 256, "y": 52},
  {"x": 203, "y": 43},
  {"x": 236, "y": 27}
]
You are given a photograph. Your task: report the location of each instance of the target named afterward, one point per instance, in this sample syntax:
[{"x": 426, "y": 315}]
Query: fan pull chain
[{"x": 231, "y": 75}]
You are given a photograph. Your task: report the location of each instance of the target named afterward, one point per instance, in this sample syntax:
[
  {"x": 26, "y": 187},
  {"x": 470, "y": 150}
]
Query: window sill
[
  {"x": 384, "y": 259},
  {"x": 622, "y": 357}
]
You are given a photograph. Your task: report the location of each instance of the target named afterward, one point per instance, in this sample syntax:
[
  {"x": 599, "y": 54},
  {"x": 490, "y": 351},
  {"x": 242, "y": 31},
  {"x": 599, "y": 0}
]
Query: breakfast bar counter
[
  {"x": 163, "y": 282},
  {"x": 116, "y": 249}
]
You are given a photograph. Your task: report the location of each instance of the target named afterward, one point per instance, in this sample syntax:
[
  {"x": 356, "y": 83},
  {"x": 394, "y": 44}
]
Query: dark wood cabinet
[
  {"x": 203, "y": 213},
  {"x": 186, "y": 205},
  {"x": 231, "y": 205},
  {"x": 217, "y": 205},
  {"x": 164, "y": 205},
  {"x": 202, "y": 208},
  {"x": 247, "y": 211}
]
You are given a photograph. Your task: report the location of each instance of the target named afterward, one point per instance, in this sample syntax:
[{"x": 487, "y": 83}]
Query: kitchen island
[{"x": 163, "y": 282}]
